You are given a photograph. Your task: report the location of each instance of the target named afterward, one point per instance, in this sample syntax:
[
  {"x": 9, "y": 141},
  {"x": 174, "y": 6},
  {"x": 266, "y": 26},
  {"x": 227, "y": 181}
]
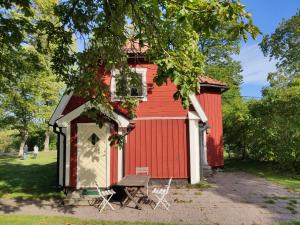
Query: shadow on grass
[{"x": 28, "y": 182}]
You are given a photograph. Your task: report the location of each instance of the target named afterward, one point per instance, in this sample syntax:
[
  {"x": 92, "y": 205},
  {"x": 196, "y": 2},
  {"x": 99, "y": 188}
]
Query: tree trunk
[
  {"x": 24, "y": 137},
  {"x": 47, "y": 139}
]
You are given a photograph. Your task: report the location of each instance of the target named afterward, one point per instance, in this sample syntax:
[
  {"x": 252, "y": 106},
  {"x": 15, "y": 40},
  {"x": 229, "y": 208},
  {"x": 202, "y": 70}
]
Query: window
[
  {"x": 94, "y": 139},
  {"x": 135, "y": 88}
]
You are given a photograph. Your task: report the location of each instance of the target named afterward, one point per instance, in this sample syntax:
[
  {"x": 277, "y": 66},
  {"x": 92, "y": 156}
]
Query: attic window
[
  {"x": 138, "y": 89},
  {"x": 94, "y": 139}
]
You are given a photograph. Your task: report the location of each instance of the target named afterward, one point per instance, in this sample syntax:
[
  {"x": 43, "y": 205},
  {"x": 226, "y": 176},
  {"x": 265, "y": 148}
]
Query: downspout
[{"x": 202, "y": 128}]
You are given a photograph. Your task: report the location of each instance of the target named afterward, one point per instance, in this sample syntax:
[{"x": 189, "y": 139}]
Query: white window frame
[{"x": 142, "y": 71}]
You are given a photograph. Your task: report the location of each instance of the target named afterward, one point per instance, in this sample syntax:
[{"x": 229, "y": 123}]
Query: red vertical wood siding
[
  {"x": 113, "y": 165},
  {"x": 74, "y": 102},
  {"x": 211, "y": 102},
  {"x": 160, "y": 100},
  {"x": 73, "y": 154},
  {"x": 160, "y": 145}
]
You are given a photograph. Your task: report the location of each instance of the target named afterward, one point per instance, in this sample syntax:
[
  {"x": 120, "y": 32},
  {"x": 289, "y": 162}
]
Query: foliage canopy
[{"x": 171, "y": 30}]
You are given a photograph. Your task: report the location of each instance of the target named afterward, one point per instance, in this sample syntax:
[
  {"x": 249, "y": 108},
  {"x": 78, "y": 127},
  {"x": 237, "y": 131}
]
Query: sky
[{"x": 266, "y": 14}]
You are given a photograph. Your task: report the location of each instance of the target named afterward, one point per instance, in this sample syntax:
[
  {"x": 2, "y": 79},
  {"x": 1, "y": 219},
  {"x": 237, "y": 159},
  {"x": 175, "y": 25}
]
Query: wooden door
[{"x": 93, "y": 156}]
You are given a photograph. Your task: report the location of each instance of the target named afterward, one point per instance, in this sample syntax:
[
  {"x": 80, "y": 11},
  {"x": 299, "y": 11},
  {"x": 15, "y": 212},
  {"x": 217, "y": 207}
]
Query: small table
[{"x": 135, "y": 182}]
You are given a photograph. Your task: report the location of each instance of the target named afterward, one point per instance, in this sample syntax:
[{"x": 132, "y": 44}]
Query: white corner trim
[
  {"x": 142, "y": 71},
  {"x": 61, "y": 159},
  {"x": 120, "y": 161},
  {"x": 192, "y": 115},
  {"x": 60, "y": 108},
  {"x": 68, "y": 148},
  {"x": 205, "y": 162},
  {"x": 65, "y": 120},
  {"x": 108, "y": 155},
  {"x": 198, "y": 108},
  {"x": 194, "y": 148}
]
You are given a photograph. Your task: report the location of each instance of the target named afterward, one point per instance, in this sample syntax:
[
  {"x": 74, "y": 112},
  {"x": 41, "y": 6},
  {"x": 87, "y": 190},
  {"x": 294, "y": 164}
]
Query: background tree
[
  {"x": 268, "y": 129},
  {"x": 220, "y": 65},
  {"x": 30, "y": 91},
  {"x": 27, "y": 105},
  {"x": 283, "y": 45}
]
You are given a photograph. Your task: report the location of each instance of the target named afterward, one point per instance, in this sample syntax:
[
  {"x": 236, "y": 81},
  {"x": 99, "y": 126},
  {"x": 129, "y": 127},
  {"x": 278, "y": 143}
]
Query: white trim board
[
  {"x": 67, "y": 132},
  {"x": 65, "y": 120},
  {"x": 60, "y": 108},
  {"x": 161, "y": 118},
  {"x": 140, "y": 70},
  {"x": 194, "y": 148},
  {"x": 61, "y": 160},
  {"x": 198, "y": 108},
  {"x": 120, "y": 160}
]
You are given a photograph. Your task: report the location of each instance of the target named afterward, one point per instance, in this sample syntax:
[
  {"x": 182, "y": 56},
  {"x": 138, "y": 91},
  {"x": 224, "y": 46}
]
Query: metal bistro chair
[
  {"x": 105, "y": 196},
  {"x": 160, "y": 194},
  {"x": 143, "y": 171}
]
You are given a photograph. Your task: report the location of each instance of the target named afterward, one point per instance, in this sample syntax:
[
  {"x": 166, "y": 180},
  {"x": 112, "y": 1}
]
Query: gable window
[{"x": 134, "y": 85}]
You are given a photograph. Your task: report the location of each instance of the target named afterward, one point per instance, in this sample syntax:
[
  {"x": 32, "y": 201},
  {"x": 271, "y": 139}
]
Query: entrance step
[{"x": 75, "y": 198}]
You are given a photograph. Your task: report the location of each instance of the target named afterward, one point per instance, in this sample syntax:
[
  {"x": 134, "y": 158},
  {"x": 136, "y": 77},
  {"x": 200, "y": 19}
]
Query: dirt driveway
[{"x": 235, "y": 198}]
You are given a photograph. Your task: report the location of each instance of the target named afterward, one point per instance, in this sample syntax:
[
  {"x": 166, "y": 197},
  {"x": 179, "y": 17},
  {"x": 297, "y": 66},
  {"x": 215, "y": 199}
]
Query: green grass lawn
[
  {"x": 288, "y": 180},
  {"x": 58, "y": 220},
  {"x": 55, "y": 220},
  {"x": 30, "y": 178}
]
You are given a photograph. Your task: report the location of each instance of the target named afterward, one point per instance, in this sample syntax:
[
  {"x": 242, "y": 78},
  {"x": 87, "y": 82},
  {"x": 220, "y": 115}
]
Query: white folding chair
[
  {"x": 160, "y": 194},
  {"x": 143, "y": 171},
  {"x": 105, "y": 196}
]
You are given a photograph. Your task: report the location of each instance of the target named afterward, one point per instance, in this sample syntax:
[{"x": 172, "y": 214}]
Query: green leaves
[
  {"x": 170, "y": 29},
  {"x": 284, "y": 45}
]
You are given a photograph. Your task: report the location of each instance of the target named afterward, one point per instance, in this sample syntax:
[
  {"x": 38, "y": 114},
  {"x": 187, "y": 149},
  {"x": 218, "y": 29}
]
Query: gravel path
[{"x": 235, "y": 198}]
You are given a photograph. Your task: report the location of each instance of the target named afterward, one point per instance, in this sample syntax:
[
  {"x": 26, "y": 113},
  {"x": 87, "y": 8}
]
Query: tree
[
  {"x": 268, "y": 129},
  {"x": 283, "y": 45},
  {"x": 29, "y": 90},
  {"x": 47, "y": 100},
  {"x": 28, "y": 103},
  {"x": 220, "y": 65},
  {"x": 170, "y": 29}
]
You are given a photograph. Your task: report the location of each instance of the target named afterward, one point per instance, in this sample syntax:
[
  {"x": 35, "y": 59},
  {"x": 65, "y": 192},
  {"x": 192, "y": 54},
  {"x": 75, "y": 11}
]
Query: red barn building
[{"x": 166, "y": 138}]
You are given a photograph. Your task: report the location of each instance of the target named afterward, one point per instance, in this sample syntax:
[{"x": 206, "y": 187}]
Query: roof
[
  {"x": 134, "y": 47},
  {"x": 65, "y": 119},
  {"x": 208, "y": 80}
]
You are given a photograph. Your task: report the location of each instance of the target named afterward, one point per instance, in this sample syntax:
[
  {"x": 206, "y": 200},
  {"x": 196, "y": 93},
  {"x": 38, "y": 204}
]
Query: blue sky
[{"x": 267, "y": 14}]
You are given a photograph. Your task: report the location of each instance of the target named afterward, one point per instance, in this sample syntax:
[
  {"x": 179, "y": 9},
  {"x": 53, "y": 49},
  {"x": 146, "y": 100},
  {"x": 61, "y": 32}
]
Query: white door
[{"x": 93, "y": 157}]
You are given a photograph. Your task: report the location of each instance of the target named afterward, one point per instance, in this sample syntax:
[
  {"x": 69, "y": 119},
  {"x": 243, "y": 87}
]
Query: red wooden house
[{"x": 166, "y": 138}]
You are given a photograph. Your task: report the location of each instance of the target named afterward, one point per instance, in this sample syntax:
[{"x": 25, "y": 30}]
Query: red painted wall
[
  {"x": 73, "y": 154},
  {"x": 74, "y": 102},
  {"x": 161, "y": 145},
  {"x": 160, "y": 100},
  {"x": 211, "y": 102},
  {"x": 113, "y": 165}
]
